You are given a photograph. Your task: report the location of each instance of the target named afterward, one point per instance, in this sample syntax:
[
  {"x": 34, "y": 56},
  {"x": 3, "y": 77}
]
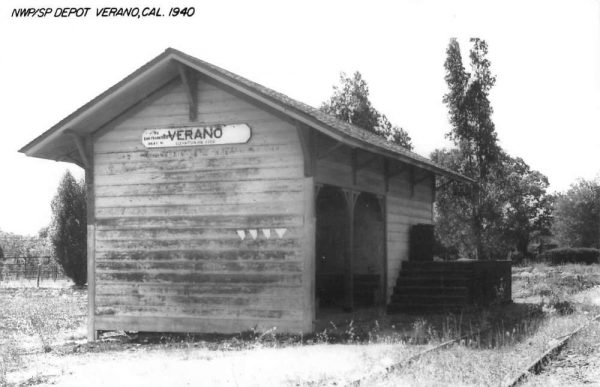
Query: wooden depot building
[{"x": 216, "y": 204}]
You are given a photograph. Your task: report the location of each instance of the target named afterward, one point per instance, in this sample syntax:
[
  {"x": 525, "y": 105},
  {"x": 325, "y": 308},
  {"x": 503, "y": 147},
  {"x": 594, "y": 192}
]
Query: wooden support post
[
  {"x": 309, "y": 273},
  {"x": 91, "y": 241},
  {"x": 383, "y": 208},
  {"x": 190, "y": 87},
  {"x": 351, "y": 196}
]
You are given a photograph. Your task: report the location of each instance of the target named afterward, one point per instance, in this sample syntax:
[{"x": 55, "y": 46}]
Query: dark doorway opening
[
  {"x": 331, "y": 247},
  {"x": 369, "y": 251},
  {"x": 337, "y": 287}
]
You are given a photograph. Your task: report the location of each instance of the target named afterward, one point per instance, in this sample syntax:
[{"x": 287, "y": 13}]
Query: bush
[{"x": 559, "y": 256}]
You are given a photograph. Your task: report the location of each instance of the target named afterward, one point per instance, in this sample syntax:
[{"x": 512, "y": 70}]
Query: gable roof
[{"x": 160, "y": 70}]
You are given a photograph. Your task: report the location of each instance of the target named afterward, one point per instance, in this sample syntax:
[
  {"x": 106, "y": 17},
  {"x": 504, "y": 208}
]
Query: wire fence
[{"x": 40, "y": 268}]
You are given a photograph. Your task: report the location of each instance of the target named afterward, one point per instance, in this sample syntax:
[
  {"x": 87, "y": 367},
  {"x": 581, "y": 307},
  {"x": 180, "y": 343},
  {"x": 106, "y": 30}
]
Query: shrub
[{"x": 559, "y": 256}]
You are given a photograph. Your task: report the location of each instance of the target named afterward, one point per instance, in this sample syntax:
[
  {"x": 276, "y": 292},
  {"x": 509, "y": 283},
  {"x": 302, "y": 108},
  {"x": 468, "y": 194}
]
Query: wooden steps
[{"x": 431, "y": 287}]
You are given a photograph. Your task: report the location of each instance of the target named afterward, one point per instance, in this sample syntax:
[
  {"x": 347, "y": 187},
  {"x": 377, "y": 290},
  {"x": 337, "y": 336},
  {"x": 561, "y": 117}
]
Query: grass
[
  {"x": 34, "y": 320},
  {"x": 47, "y": 326},
  {"x": 543, "y": 295},
  {"x": 542, "y": 283}
]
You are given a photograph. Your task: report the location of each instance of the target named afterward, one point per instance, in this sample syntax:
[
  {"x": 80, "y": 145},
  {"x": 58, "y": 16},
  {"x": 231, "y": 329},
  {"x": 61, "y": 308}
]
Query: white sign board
[{"x": 196, "y": 135}]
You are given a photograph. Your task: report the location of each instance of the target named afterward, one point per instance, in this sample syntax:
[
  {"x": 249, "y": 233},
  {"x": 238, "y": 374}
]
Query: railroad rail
[
  {"x": 364, "y": 381},
  {"x": 535, "y": 367},
  {"x": 538, "y": 365}
]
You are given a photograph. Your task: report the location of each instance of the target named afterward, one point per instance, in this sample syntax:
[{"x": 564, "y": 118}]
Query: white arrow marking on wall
[
  {"x": 267, "y": 232},
  {"x": 253, "y": 233},
  {"x": 280, "y": 232},
  {"x": 241, "y": 234}
]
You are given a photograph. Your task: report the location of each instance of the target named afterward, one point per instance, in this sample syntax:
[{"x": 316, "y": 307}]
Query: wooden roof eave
[
  {"x": 85, "y": 114},
  {"x": 323, "y": 128},
  {"x": 74, "y": 120}
]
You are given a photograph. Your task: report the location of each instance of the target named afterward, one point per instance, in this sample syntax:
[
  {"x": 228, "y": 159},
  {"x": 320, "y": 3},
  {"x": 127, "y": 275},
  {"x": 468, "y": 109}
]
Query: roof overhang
[{"x": 57, "y": 144}]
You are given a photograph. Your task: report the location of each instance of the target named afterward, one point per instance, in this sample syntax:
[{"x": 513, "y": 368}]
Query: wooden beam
[
  {"x": 443, "y": 185},
  {"x": 328, "y": 151},
  {"x": 80, "y": 147},
  {"x": 68, "y": 158},
  {"x": 190, "y": 89},
  {"x": 353, "y": 164},
  {"x": 305, "y": 135},
  {"x": 367, "y": 162},
  {"x": 386, "y": 175},
  {"x": 411, "y": 179},
  {"x": 422, "y": 179},
  {"x": 398, "y": 171}
]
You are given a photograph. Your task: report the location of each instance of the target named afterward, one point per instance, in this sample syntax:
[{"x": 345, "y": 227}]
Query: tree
[
  {"x": 527, "y": 208},
  {"x": 69, "y": 228},
  {"x": 577, "y": 215},
  {"x": 350, "y": 103},
  {"x": 516, "y": 206},
  {"x": 473, "y": 132}
]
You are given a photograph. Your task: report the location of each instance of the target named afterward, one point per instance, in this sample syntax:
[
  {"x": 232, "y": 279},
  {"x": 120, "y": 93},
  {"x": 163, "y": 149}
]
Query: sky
[{"x": 545, "y": 54}]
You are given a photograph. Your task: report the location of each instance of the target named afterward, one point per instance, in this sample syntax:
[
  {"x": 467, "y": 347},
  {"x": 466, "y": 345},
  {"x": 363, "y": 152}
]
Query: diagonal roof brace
[
  {"x": 80, "y": 146},
  {"x": 190, "y": 89}
]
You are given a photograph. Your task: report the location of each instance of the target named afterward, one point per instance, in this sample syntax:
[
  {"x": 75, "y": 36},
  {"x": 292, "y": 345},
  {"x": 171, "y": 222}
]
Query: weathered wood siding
[
  {"x": 405, "y": 207},
  {"x": 167, "y": 253},
  {"x": 335, "y": 168}
]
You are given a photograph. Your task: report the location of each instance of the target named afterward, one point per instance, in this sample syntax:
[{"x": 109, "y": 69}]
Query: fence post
[{"x": 39, "y": 274}]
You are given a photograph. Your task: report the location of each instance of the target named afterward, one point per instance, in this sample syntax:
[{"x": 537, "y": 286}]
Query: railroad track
[
  {"x": 535, "y": 367},
  {"x": 538, "y": 365},
  {"x": 364, "y": 381}
]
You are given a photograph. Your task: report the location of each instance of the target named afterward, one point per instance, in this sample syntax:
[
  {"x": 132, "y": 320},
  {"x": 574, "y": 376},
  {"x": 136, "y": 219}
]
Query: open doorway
[
  {"x": 334, "y": 289},
  {"x": 369, "y": 252},
  {"x": 331, "y": 247}
]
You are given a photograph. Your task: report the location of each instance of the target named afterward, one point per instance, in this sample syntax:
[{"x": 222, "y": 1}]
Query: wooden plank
[
  {"x": 192, "y": 310},
  {"x": 246, "y": 266},
  {"x": 184, "y": 289},
  {"x": 199, "y": 210},
  {"x": 225, "y": 254},
  {"x": 183, "y": 234},
  {"x": 221, "y": 198},
  {"x": 197, "y": 165},
  {"x": 192, "y": 153},
  {"x": 192, "y": 277},
  {"x": 149, "y": 189},
  {"x": 195, "y": 324},
  {"x": 207, "y": 175},
  {"x": 161, "y": 245},
  {"x": 244, "y": 221},
  {"x": 201, "y": 302}
]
